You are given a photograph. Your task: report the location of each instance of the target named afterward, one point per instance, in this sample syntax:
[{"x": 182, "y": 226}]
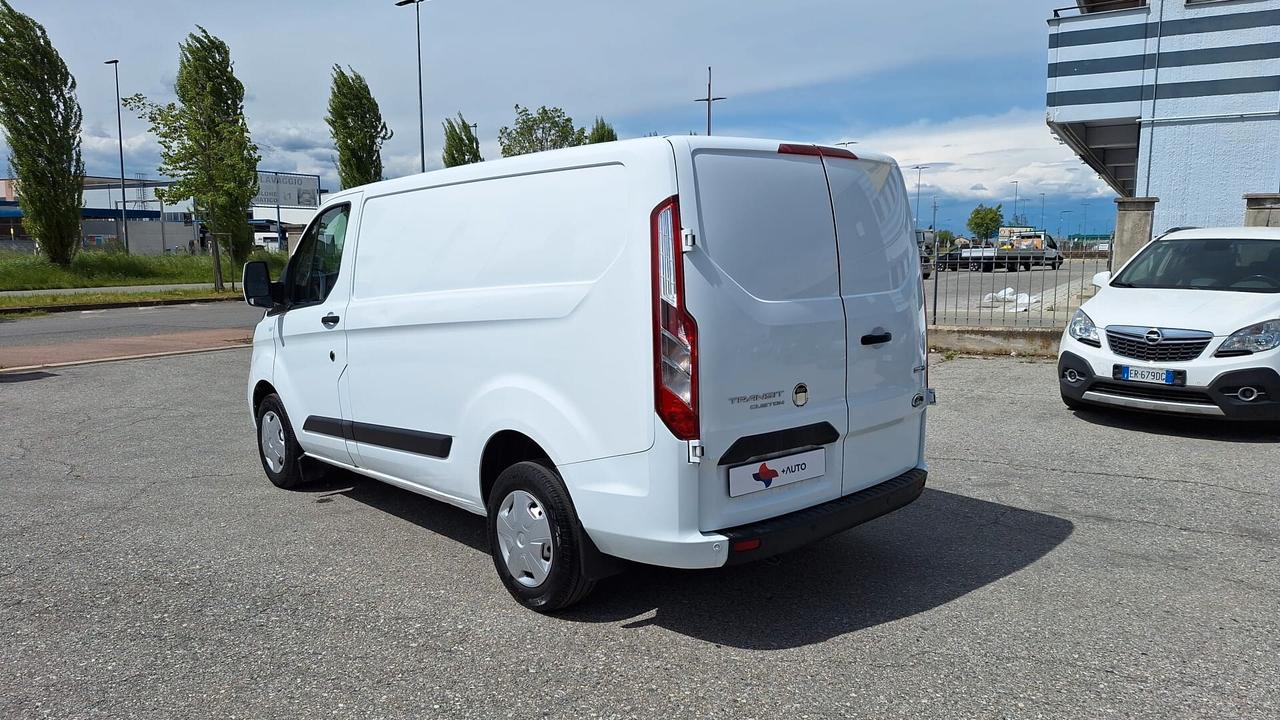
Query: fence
[{"x": 1011, "y": 289}]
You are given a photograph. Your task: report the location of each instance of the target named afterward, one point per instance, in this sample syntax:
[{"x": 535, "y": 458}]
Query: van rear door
[
  {"x": 884, "y": 302},
  {"x": 762, "y": 286}
]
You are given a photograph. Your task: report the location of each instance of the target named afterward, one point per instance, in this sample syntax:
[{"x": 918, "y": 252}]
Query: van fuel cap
[{"x": 800, "y": 395}]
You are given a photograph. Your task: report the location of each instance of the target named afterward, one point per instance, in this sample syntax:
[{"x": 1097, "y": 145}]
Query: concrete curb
[
  {"x": 1034, "y": 342},
  {"x": 140, "y": 356},
  {"x": 113, "y": 305}
]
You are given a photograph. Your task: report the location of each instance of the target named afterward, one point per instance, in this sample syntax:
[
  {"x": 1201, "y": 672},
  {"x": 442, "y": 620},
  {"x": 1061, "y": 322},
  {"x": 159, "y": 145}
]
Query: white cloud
[{"x": 980, "y": 157}]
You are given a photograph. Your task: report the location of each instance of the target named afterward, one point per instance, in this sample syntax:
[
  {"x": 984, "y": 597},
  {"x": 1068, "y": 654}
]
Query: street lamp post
[
  {"x": 709, "y": 100},
  {"x": 1060, "y": 214},
  {"x": 124, "y": 219},
  {"x": 1015, "y": 203},
  {"x": 422, "y": 124},
  {"x": 919, "y": 173},
  {"x": 1042, "y": 212}
]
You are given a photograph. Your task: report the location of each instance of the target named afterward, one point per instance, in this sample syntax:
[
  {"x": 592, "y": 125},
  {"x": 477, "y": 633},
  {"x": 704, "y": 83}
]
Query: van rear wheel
[{"x": 535, "y": 538}]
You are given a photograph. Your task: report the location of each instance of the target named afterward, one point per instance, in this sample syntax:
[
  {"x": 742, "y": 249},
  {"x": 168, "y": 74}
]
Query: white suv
[{"x": 1190, "y": 325}]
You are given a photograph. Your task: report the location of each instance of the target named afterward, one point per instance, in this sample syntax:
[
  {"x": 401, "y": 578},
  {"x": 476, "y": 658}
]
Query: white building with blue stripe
[{"x": 1175, "y": 99}]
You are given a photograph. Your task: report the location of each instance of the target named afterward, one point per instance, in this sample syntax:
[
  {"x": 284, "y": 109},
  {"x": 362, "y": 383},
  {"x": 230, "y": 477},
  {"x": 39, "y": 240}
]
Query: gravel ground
[{"x": 1060, "y": 565}]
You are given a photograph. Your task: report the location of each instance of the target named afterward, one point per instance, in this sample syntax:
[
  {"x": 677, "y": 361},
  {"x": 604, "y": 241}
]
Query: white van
[{"x": 684, "y": 351}]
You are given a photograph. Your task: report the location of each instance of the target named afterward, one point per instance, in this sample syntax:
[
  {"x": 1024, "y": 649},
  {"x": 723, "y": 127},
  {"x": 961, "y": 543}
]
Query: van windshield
[{"x": 1236, "y": 265}]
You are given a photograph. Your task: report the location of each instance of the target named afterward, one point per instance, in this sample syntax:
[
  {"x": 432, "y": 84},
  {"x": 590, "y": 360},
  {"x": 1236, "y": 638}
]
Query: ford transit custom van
[{"x": 686, "y": 351}]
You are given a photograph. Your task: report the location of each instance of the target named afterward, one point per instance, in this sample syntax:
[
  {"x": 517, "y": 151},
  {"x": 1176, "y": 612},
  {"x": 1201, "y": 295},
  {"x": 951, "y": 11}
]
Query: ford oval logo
[{"x": 1154, "y": 336}]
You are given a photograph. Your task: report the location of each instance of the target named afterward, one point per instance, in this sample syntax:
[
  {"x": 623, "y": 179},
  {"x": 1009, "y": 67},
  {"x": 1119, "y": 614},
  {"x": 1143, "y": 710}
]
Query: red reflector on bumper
[{"x": 745, "y": 545}]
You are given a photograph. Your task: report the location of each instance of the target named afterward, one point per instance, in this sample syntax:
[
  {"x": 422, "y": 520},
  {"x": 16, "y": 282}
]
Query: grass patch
[
  {"x": 93, "y": 298},
  {"x": 20, "y": 271},
  {"x": 21, "y": 315}
]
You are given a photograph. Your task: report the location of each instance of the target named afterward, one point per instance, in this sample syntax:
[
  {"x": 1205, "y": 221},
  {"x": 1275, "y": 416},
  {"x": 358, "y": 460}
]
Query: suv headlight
[
  {"x": 1083, "y": 329},
  {"x": 1255, "y": 338}
]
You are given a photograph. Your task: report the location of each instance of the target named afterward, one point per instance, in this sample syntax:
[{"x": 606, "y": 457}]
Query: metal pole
[
  {"x": 919, "y": 173},
  {"x": 422, "y": 122},
  {"x": 709, "y": 101},
  {"x": 937, "y": 275},
  {"x": 1015, "y": 202},
  {"x": 1041, "y": 212},
  {"x": 280, "y": 241},
  {"x": 124, "y": 218},
  {"x": 162, "y": 241}
]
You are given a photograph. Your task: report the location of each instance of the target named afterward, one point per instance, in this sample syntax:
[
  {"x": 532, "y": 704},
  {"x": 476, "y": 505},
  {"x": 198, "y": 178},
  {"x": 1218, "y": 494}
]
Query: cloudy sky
[{"x": 957, "y": 85}]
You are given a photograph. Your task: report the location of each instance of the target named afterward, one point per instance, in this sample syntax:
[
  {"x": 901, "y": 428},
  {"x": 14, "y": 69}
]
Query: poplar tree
[
  {"x": 601, "y": 131},
  {"x": 356, "y": 124},
  {"x": 204, "y": 142},
  {"x": 41, "y": 119},
  {"x": 461, "y": 146}
]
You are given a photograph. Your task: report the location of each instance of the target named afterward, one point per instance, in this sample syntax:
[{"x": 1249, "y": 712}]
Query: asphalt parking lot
[{"x": 1059, "y": 565}]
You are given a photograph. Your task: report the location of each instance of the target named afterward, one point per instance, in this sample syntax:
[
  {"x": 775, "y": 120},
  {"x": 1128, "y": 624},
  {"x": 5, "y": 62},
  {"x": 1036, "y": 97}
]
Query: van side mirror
[
  {"x": 1101, "y": 279},
  {"x": 256, "y": 281}
]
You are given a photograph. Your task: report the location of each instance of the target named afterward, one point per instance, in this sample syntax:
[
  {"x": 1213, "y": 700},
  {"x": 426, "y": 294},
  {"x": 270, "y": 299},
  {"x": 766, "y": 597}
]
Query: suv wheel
[
  {"x": 278, "y": 449},
  {"x": 535, "y": 538}
]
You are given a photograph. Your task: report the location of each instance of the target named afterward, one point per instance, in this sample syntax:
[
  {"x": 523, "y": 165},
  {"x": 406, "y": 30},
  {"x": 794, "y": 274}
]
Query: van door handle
[
  {"x": 877, "y": 338},
  {"x": 330, "y": 320}
]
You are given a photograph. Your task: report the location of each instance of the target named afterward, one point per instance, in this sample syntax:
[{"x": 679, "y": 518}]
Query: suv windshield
[{"x": 1233, "y": 265}]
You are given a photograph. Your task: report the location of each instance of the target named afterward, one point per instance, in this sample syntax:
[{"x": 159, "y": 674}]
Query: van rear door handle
[
  {"x": 330, "y": 320},
  {"x": 877, "y": 338}
]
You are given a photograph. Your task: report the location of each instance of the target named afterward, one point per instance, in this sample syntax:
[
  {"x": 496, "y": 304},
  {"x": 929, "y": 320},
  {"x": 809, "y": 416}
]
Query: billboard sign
[{"x": 287, "y": 189}]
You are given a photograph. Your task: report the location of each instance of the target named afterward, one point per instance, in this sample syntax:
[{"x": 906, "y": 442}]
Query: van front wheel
[
  {"x": 278, "y": 449},
  {"x": 535, "y": 538}
]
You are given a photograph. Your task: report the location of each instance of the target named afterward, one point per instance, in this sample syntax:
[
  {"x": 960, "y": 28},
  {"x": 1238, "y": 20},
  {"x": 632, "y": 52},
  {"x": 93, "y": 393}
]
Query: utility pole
[
  {"x": 1015, "y": 203},
  {"x": 709, "y": 99},
  {"x": 1042, "y": 228},
  {"x": 919, "y": 173},
  {"x": 124, "y": 216},
  {"x": 422, "y": 125}
]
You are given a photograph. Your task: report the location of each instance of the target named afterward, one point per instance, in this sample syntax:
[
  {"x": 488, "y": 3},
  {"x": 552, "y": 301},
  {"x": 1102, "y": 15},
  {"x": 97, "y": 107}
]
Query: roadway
[{"x": 1060, "y": 565}]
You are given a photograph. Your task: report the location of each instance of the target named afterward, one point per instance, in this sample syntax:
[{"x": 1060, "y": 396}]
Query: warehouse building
[{"x": 1172, "y": 99}]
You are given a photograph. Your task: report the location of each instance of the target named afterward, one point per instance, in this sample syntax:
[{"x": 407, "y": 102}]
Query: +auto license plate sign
[{"x": 785, "y": 470}]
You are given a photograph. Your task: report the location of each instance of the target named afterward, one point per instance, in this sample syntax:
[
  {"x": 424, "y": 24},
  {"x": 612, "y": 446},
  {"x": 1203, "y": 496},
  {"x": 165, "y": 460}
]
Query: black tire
[
  {"x": 290, "y": 474},
  {"x": 565, "y": 582}
]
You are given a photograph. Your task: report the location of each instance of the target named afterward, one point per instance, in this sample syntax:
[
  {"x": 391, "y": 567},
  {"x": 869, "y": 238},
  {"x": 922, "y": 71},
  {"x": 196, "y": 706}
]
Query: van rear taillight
[{"x": 675, "y": 335}]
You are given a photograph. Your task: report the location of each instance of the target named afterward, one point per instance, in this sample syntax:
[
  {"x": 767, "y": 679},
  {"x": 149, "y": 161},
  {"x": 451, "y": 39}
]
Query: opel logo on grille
[{"x": 1154, "y": 336}]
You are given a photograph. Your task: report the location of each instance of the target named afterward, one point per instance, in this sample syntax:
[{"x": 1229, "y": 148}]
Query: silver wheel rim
[
  {"x": 524, "y": 539},
  {"x": 271, "y": 435}
]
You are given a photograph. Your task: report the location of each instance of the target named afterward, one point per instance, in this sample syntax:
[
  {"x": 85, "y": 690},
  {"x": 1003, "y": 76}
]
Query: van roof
[{"x": 584, "y": 155}]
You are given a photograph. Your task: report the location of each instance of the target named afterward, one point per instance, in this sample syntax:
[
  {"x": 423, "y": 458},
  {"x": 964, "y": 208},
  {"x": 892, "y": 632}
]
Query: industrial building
[{"x": 1172, "y": 99}]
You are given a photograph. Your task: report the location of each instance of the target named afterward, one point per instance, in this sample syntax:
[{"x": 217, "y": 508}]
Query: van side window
[{"x": 313, "y": 269}]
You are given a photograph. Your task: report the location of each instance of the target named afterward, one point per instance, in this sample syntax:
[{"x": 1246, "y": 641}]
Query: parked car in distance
[
  {"x": 607, "y": 352},
  {"x": 989, "y": 259},
  {"x": 1190, "y": 325},
  {"x": 925, "y": 241}
]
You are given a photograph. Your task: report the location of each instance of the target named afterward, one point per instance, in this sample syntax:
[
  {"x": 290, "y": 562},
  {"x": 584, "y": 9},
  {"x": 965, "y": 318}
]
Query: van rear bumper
[{"x": 788, "y": 532}]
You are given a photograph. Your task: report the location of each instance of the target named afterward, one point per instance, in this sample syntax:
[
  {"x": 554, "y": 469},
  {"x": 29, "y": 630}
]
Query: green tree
[
  {"x": 356, "y": 124},
  {"x": 41, "y": 119},
  {"x": 461, "y": 146},
  {"x": 600, "y": 132},
  {"x": 204, "y": 142},
  {"x": 985, "y": 221},
  {"x": 946, "y": 238},
  {"x": 547, "y": 129}
]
